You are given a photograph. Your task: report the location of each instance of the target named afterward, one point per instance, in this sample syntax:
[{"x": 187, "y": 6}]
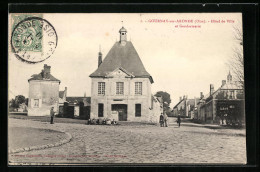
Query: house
[
  {"x": 62, "y": 99},
  {"x": 77, "y": 107},
  {"x": 121, "y": 85},
  {"x": 43, "y": 93},
  {"x": 22, "y": 108},
  {"x": 185, "y": 107},
  {"x": 224, "y": 105}
]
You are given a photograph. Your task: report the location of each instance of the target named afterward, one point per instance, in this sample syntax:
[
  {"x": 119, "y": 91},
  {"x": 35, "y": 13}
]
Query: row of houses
[
  {"x": 120, "y": 89},
  {"x": 224, "y": 105}
]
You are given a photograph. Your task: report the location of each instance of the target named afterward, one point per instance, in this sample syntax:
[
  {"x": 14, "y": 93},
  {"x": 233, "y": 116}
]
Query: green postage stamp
[{"x": 33, "y": 38}]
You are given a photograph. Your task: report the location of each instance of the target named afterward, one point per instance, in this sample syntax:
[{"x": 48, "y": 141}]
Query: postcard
[{"x": 126, "y": 88}]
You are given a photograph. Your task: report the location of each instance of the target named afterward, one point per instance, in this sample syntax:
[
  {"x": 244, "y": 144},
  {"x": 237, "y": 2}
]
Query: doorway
[{"x": 122, "y": 111}]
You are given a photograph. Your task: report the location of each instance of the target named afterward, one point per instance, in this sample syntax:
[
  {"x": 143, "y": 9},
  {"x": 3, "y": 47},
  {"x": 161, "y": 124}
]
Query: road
[{"x": 191, "y": 143}]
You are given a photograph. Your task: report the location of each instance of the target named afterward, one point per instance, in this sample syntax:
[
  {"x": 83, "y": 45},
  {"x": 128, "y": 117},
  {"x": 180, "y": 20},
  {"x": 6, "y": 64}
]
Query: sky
[{"x": 182, "y": 61}]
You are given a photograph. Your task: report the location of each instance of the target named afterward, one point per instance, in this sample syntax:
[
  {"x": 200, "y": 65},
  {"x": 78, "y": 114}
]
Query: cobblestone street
[{"x": 191, "y": 143}]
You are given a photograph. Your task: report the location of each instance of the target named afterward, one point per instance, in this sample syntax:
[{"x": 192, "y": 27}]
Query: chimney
[
  {"x": 211, "y": 89},
  {"x": 223, "y": 83},
  {"x": 99, "y": 57},
  {"x": 184, "y": 97},
  {"x": 65, "y": 92},
  {"x": 46, "y": 71},
  {"x": 201, "y": 95},
  {"x": 180, "y": 98}
]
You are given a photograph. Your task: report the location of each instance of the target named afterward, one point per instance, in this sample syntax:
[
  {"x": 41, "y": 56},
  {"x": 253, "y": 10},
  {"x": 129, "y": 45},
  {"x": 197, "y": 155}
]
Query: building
[
  {"x": 43, "y": 93},
  {"x": 77, "y": 107},
  {"x": 62, "y": 99},
  {"x": 224, "y": 105},
  {"x": 121, "y": 85},
  {"x": 185, "y": 107}
]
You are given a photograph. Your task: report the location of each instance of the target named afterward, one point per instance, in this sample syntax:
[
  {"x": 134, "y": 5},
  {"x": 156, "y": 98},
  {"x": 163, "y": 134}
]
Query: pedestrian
[
  {"x": 161, "y": 120},
  {"x": 179, "y": 120},
  {"x": 52, "y": 114},
  {"x": 165, "y": 117}
]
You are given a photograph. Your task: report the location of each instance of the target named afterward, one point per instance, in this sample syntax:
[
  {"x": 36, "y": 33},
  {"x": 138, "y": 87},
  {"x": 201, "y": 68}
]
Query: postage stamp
[{"x": 33, "y": 39}]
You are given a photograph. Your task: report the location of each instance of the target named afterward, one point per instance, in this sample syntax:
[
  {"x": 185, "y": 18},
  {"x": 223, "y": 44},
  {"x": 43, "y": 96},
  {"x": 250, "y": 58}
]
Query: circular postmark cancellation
[{"x": 33, "y": 40}]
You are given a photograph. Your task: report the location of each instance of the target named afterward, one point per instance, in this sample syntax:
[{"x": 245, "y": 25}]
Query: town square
[{"x": 130, "y": 89}]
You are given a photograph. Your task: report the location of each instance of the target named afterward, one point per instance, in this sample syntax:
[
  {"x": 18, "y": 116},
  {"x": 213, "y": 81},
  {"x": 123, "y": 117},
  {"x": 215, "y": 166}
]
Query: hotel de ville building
[{"x": 121, "y": 86}]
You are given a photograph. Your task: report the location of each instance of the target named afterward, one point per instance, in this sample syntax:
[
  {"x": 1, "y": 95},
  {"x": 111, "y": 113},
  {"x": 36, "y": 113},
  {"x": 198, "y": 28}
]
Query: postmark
[{"x": 33, "y": 40}]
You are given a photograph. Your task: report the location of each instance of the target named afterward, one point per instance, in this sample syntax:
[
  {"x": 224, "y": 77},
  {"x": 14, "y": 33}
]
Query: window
[
  {"x": 36, "y": 103},
  {"x": 119, "y": 88},
  {"x": 137, "y": 110},
  {"x": 100, "y": 110},
  {"x": 138, "y": 88},
  {"x": 101, "y": 88}
]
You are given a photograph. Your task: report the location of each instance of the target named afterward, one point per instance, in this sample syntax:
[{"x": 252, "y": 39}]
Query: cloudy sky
[{"x": 182, "y": 61}]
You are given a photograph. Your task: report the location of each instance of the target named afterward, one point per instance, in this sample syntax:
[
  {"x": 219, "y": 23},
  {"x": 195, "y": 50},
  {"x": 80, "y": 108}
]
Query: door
[{"x": 122, "y": 111}]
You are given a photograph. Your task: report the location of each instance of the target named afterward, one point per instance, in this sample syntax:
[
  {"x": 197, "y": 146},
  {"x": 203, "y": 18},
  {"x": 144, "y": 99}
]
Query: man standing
[
  {"x": 52, "y": 114},
  {"x": 161, "y": 120},
  {"x": 179, "y": 120},
  {"x": 165, "y": 119}
]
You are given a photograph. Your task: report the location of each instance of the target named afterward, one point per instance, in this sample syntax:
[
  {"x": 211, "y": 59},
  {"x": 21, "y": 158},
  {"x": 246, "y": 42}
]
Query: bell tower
[
  {"x": 123, "y": 37},
  {"x": 229, "y": 77}
]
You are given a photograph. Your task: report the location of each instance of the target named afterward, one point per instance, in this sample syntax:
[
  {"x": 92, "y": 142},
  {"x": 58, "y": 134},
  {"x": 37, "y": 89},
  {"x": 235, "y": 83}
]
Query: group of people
[
  {"x": 164, "y": 120},
  {"x": 101, "y": 122}
]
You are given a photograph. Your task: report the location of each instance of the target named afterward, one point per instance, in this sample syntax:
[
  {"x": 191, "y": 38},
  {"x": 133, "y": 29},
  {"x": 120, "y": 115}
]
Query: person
[
  {"x": 114, "y": 122},
  {"x": 179, "y": 120},
  {"x": 52, "y": 114},
  {"x": 165, "y": 117},
  {"x": 161, "y": 120}
]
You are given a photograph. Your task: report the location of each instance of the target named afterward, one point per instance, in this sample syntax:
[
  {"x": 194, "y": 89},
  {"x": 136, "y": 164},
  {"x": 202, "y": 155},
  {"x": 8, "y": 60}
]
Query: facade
[
  {"x": 186, "y": 107},
  {"x": 224, "y": 105},
  {"x": 78, "y": 107},
  {"x": 62, "y": 99},
  {"x": 43, "y": 93},
  {"x": 122, "y": 86}
]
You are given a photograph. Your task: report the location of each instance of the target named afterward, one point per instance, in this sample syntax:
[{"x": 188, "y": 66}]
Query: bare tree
[{"x": 236, "y": 62}]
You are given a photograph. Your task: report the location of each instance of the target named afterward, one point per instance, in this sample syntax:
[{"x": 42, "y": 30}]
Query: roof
[
  {"x": 231, "y": 86},
  {"x": 178, "y": 104},
  {"x": 39, "y": 76},
  {"x": 122, "y": 30},
  {"x": 78, "y": 99},
  {"x": 124, "y": 57}
]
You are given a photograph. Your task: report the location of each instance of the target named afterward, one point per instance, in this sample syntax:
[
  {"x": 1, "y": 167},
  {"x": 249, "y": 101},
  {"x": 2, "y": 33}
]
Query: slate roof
[
  {"x": 124, "y": 57},
  {"x": 39, "y": 76}
]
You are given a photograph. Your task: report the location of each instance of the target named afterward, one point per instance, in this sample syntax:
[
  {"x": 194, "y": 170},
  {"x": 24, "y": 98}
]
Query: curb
[{"x": 64, "y": 141}]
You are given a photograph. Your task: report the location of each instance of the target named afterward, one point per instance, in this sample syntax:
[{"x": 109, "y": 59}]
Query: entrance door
[{"x": 122, "y": 111}]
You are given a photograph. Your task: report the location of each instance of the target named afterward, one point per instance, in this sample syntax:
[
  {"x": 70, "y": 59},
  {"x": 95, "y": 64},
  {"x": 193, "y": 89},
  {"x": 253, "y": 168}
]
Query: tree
[
  {"x": 14, "y": 103},
  {"x": 19, "y": 100},
  {"x": 236, "y": 63},
  {"x": 165, "y": 97}
]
